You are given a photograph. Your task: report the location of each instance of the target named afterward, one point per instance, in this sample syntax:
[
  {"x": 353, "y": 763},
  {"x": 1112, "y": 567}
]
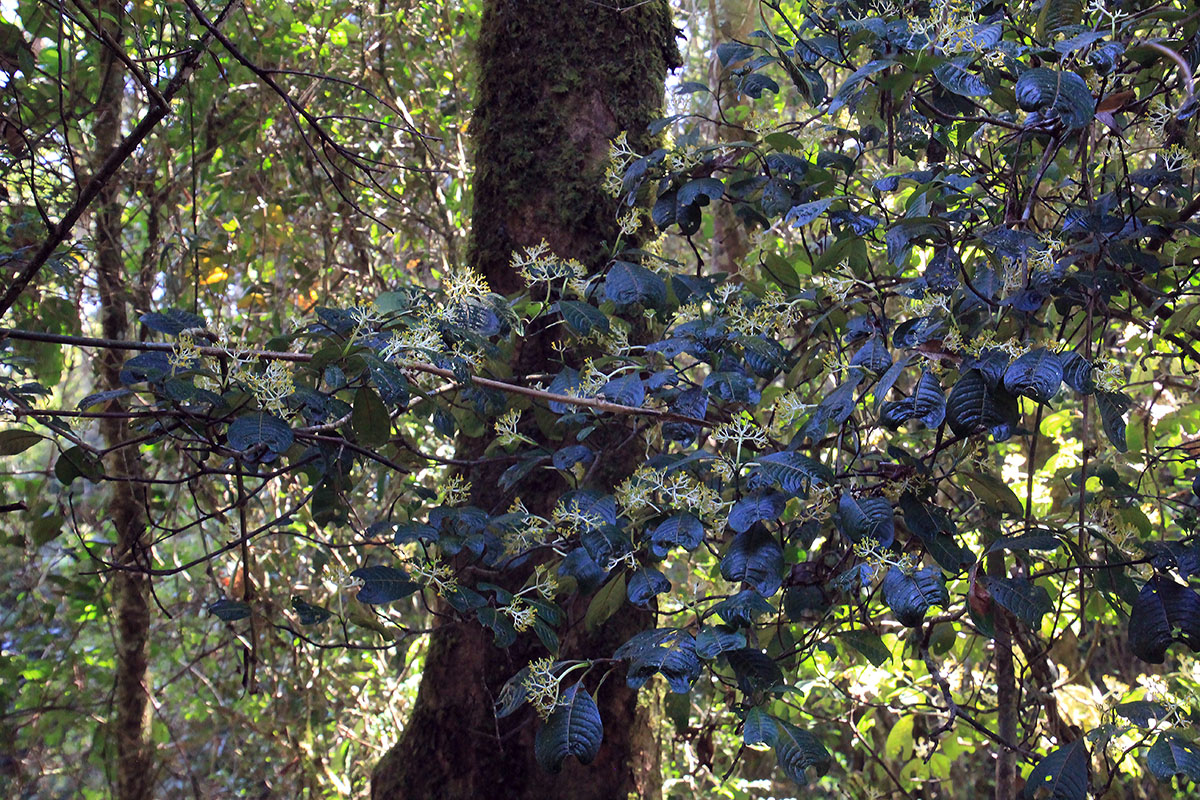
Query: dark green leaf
[
  {"x": 628, "y": 390},
  {"x": 872, "y": 356},
  {"x": 732, "y": 52},
  {"x": 667, "y": 650},
  {"x": 1143, "y": 713},
  {"x": 1037, "y": 374},
  {"x": 1028, "y": 542},
  {"x": 683, "y": 530},
  {"x": 308, "y": 614},
  {"x": 77, "y": 463},
  {"x": 1066, "y": 93},
  {"x": 1062, "y": 775},
  {"x": 759, "y": 728},
  {"x": 974, "y": 408},
  {"x": 755, "y": 670},
  {"x": 700, "y": 190},
  {"x": 260, "y": 437},
  {"x": 866, "y": 517},
  {"x": 574, "y": 728},
  {"x": 645, "y": 584},
  {"x": 712, "y": 640},
  {"x": 867, "y": 643},
  {"x": 1028, "y": 601},
  {"x": 765, "y": 507},
  {"x": 835, "y": 408},
  {"x": 955, "y": 77},
  {"x": 583, "y": 317},
  {"x": 1165, "y": 611},
  {"x": 229, "y": 610},
  {"x": 798, "y": 750},
  {"x": 627, "y": 284},
  {"x": 501, "y": 626},
  {"x": 383, "y": 584},
  {"x": 756, "y": 559},
  {"x": 928, "y": 401},
  {"x": 805, "y": 213},
  {"x": 1171, "y": 755},
  {"x": 172, "y": 321},
  {"x": 1113, "y": 406},
  {"x": 792, "y": 471},
  {"x": 17, "y": 441},
  {"x": 909, "y": 596},
  {"x": 370, "y": 419}
]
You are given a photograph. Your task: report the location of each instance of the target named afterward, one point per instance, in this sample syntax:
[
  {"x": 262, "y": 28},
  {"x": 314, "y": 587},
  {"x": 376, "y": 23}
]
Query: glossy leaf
[
  {"x": 383, "y": 584},
  {"x": 910, "y": 595},
  {"x": 667, "y": 650},
  {"x": 798, "y": 752},
  {"x": 756, "y": 559},
  {"x": 1165, "y": 612},
  {"x": 866, "y": 517},
  {"x": 574, "y": 728},
  {"x": 1062, "y": 775}
]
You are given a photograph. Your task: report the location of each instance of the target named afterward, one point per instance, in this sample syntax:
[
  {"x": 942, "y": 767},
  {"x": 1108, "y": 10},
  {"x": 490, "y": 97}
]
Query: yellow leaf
[{"x": 216, "y": 276}]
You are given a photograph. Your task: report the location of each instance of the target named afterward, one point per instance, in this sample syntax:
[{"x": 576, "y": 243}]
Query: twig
[{"x": 109, "y": 167}]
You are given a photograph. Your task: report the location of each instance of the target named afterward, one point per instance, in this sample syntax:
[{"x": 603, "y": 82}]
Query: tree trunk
[
  {"x": 731, "y": 20},
  {"x": 557, "y": 84},
  {"x": 131, "y": 714}
]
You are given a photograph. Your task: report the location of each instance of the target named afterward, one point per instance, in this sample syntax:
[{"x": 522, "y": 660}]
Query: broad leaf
[
  {"x": 1062, "y": 775},
  {"x": 383, "y": 584},
  {"x": 574, "y": 728},
  {"x": 1165, "y": 611},
  {"x": 1065, "y": 93},
  {"x": 645, "y": 584},
  {"x": 793, "y": 471},
  {"x": 1025, "y": 599},
  {"x": 712, "y": 640},
  {"x": 867, "y": 517},
  {"x": 1171, "y": 755},
  {"x": 755, "y": 670},
  {"x": 1113, "y": 406},
  {"x": 260, "y": 437},
  {"x": 955, "y": 77},
  {"x": 628, "y": 283},
  {"x": 764, "y": 507},
  {"x": 681, "y": 530},
  {"x": 756, "y": 559},
  {"x": 759, "y": 728},
  {"x": 928, "y": 401},
  {"x": 1037, "y": 374},
  {"x": 798, "y": 751},
  {"x": 909, "y": 596},
  {"x": 667, "y": 650},
  {"x": 975, "y": 408}
]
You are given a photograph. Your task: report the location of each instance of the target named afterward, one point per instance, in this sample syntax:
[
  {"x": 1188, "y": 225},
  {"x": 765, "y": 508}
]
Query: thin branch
[
  {"x": 416, "y": 366},
  {"x": 110, "y": 165}
]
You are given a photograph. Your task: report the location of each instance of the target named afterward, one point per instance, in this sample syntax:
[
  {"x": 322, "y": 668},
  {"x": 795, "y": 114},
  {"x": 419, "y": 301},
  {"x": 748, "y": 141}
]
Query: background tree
[{"x": 554, "y": 90}]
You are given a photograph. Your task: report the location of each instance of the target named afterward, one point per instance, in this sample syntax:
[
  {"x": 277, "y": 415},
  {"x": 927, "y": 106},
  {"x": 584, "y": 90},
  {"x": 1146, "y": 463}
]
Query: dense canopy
[{"x": 524, "y": 398}]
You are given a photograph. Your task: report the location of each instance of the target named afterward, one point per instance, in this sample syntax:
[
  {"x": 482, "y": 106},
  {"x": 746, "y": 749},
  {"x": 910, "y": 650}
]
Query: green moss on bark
[{"x": 558, "y": 82}]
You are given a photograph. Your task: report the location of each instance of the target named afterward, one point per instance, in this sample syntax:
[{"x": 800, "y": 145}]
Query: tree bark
[
  {"x": 126, "y": 510},
  {"x": 731, "y": 20},
  {"x": 557, "y": 83}
]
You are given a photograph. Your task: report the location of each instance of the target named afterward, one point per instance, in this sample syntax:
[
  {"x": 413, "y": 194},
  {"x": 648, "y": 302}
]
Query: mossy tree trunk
[{"x": 558, "y": 81}]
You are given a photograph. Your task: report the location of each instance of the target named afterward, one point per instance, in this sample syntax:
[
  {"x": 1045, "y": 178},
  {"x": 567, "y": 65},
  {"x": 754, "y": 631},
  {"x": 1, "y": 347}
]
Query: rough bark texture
[
  {"x": 558, "y": 82},
  {"x": 731, "y": 20},
  {"x": 133, "y": 777}
]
